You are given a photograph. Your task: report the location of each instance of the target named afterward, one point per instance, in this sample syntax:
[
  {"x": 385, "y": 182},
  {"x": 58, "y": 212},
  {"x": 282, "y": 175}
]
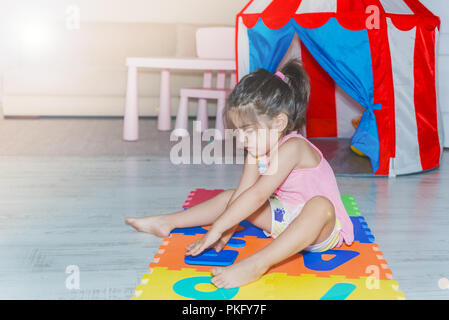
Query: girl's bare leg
[
  {"x": 314, "y": 225},
  {"x": 202, "y": 214}
]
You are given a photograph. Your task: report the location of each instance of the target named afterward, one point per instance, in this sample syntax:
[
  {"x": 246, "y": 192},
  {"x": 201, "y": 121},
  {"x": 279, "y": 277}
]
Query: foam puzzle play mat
[{"x": 356, "y": 272}]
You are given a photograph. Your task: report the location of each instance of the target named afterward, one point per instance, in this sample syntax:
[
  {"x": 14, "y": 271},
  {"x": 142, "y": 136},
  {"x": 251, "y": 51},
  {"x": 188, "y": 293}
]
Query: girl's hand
[
  {"x": 220, "y": 244},
  {"x": 195, "y": 248}
]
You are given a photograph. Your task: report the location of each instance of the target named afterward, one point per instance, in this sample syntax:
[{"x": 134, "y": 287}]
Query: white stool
[
  {"x": 211, "y": 43},
  {"x": 182, "y": 117}
]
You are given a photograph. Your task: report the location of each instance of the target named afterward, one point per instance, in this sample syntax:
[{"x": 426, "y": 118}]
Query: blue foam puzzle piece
[
  {"x": 249, "y": 230},
  {"x": 339, "y": 291},
  {"x": 190, "y": 231},
  {"x": 361, "y": 231},
  {"x": 186, "y": 288},
  {"x": 212, "y": 258},
  {"x": 314, "y": 260},
  {"x": 236, "y": 243}
]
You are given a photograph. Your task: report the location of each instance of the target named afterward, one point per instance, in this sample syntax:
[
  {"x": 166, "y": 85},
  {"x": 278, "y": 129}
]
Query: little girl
[{"x": 287, "y": 188}]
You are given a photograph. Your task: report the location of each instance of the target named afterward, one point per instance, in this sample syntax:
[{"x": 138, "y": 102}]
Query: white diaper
[{"x": 283, "y": 213}]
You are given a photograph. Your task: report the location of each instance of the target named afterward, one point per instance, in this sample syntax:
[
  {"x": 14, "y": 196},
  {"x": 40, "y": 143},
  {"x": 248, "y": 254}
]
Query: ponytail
[
  {"x": 262, "y": 93},
  {"x": 297, "y": 79}
]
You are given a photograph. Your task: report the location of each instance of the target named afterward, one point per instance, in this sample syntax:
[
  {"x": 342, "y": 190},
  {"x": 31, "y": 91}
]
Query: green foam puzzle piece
[{"x": 350, "y": 205}]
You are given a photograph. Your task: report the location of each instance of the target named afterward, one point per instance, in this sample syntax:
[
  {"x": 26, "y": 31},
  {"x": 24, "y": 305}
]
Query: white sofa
[{"x": 84, "y": 72}]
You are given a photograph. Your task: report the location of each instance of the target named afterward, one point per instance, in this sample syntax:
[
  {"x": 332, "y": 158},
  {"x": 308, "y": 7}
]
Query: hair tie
[{"x": 280, "y": 75}]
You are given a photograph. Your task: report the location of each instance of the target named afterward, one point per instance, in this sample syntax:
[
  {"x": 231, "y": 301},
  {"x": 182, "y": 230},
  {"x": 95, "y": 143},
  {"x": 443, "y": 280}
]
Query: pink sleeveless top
[{"x": 303, "y": 184}]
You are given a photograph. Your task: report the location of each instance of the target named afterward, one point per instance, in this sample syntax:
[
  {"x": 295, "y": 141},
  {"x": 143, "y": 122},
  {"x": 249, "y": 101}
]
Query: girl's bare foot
[
  {"x": 239, "y": 274},
  {"x": 157, "y": 225}
]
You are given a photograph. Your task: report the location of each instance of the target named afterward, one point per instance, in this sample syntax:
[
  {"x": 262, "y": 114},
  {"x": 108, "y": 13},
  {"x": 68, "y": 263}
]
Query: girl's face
[{"x": 258, "y": 140}]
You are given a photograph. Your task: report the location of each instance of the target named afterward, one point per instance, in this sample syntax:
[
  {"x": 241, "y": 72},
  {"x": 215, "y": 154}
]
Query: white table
[{"x": 131, "y": 117}]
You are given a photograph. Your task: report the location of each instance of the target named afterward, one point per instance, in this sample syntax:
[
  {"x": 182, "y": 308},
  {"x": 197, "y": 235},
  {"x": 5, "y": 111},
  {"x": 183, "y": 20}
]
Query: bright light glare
[{"x": 35, "y": 36}]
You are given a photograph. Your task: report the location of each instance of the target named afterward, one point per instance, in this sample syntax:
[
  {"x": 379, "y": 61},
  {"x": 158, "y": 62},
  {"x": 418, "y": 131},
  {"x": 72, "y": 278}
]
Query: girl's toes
[
  {"x": 214, "y": 282},
  {"x": 224, "y": 283},
  {"x": 217, "y": 282},
  {"x": 216, "y": 271}
]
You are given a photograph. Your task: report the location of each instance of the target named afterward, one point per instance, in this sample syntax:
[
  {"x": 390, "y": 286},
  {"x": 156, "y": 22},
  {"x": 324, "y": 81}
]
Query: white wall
[
  {"x": 440, "y": 8},
  {"x": 174, "y": 21},
  {"x": 162, "y": 11},
  {"x": 15, "y": 15}
]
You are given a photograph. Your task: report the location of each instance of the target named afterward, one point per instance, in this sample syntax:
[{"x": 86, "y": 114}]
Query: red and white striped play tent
[{"x": 379, "y": 55}]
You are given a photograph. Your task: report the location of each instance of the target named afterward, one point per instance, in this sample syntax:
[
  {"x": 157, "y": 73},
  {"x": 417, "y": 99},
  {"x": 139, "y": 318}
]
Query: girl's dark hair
[{"x": 263, "y": 94}]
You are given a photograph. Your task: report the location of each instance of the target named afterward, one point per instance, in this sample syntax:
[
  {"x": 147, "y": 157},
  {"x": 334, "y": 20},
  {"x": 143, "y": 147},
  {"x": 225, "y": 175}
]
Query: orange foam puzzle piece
[{"x": 369, "y": 262}]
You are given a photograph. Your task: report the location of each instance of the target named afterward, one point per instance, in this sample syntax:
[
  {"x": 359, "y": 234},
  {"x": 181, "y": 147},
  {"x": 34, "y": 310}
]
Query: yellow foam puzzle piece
[{"x": 159, "y": 286}]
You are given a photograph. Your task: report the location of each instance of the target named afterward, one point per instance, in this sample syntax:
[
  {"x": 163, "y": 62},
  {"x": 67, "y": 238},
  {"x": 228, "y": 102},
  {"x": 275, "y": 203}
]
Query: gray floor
[{"x": 67, "y": 184}]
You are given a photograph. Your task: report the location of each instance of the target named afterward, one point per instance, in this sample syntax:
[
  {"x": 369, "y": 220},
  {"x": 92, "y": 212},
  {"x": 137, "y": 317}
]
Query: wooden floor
[{"x": 67, "y": 184}]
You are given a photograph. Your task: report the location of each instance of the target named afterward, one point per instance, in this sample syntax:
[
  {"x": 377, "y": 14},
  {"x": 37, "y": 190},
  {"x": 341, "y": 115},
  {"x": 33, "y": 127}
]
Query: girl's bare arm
[
  {"x": 252, "y": 198},
  {"x": 249, "y": 177}
]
